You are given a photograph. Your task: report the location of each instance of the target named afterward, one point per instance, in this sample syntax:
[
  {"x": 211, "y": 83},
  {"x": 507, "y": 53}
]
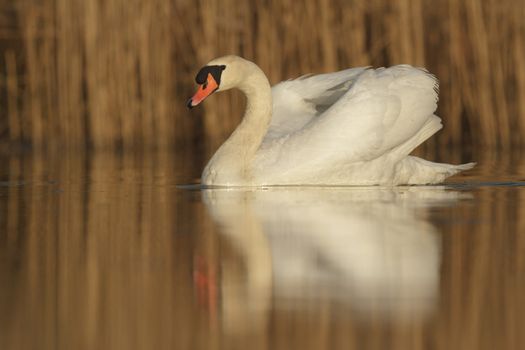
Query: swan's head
[{"x": 220, "y": 74}]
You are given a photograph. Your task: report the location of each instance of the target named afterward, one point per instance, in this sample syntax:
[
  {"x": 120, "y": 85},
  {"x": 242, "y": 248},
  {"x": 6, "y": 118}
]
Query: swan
[{"x": 352, "y": 127}]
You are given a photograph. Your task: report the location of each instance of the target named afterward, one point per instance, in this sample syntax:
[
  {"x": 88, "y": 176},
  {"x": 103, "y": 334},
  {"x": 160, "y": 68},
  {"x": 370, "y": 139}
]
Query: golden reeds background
[
  {"x": 97, "y": 249},
  {"x": 116, "y": 73}
]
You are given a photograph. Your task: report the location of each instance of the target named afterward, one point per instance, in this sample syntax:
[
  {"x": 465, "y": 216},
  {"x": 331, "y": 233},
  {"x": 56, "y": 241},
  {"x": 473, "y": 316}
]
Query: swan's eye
[{"x": 205, "y": 85}]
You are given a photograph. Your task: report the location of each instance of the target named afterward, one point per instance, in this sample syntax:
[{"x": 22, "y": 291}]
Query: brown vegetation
[{"x": 116, "y": 73}]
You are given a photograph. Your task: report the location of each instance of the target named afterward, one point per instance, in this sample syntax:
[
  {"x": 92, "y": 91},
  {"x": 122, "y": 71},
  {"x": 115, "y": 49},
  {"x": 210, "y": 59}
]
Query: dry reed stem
[{"x": 12, "y": 93}]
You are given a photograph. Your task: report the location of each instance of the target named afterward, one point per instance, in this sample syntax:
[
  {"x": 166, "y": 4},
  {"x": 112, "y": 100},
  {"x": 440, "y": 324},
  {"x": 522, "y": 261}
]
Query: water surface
[{"x": 106, "y": 251}]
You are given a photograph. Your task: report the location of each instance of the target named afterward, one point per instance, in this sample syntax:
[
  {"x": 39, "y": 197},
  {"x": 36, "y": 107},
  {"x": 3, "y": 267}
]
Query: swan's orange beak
[{"x": 204, "y": 91}]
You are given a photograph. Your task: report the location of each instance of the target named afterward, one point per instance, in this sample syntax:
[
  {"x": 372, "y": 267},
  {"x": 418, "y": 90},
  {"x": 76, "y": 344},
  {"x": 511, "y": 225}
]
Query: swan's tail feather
[
  {"x": 416, "y": 171},
  {"x": 462, "y": 167}
]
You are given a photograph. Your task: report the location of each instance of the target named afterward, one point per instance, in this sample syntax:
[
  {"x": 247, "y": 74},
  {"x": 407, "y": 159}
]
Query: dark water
[{"x": 106, "y": 251}]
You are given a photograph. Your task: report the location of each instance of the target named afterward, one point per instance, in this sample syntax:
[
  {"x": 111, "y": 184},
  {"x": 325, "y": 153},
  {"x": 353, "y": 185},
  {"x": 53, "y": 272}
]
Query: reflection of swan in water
[{"x": 365, "y": 248}]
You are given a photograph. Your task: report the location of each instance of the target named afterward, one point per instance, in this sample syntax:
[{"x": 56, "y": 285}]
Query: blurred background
[
  {"x": 101, "y": 248},
  {"x": 116, "y": 74}
]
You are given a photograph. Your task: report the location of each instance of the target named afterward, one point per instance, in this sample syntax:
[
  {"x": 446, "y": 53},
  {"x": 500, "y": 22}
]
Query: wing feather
[
  {"x": 347, "y": 117},
  {"x": 296, "y": 102}
]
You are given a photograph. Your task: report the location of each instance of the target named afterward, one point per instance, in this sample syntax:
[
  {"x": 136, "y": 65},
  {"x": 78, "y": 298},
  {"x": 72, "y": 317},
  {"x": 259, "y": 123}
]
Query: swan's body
[{"x": 353, "y": 127}]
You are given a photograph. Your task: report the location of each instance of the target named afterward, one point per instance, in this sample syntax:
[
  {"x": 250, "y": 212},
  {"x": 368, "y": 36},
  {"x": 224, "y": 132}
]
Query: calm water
[{"x": 107, "y": 251}]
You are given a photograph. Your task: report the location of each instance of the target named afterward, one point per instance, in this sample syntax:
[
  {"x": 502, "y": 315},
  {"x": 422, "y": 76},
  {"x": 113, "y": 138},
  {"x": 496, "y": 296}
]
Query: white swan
[{"x": 353, "y": 127}]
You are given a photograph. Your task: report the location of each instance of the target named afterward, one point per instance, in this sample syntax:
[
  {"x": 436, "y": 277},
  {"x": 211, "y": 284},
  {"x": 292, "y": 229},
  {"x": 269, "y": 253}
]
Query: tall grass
[{"x": 116, "y": 73}]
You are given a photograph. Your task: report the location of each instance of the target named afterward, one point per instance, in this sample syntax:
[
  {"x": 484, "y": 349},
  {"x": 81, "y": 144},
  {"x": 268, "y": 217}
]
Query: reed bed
[{"x": 115, "y": 74}]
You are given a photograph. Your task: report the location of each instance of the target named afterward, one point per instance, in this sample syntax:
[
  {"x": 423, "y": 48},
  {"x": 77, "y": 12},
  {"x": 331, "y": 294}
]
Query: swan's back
[
  {"x": 297, "y": 101},
  {"x": 353, "y": 126}
]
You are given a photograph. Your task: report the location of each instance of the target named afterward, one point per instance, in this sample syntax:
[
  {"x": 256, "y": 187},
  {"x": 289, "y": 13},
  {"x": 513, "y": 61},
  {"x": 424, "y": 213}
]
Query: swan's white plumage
[
  {"x": 297, "y": 101},
  {"x": 353, "y": 127}
]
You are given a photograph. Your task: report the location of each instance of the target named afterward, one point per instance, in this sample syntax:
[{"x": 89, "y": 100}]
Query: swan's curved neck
[
  {"x": 232, "y": 163},
  {"x": 258, "y": 113}
]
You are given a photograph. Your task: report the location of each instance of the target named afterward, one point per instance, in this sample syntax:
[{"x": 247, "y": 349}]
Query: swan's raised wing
[
  {"x": 297, "y": 101},
  {"x": 382, "y": 110}
]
